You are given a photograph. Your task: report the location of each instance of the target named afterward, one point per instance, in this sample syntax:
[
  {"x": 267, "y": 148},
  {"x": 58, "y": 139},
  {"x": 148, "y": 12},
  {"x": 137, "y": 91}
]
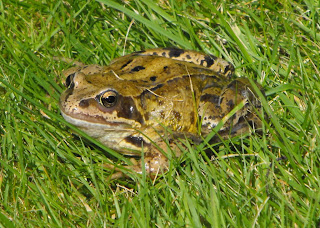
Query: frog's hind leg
[
  {"x": 218, "y": 65},
  {"x": 246, "y": 118}
]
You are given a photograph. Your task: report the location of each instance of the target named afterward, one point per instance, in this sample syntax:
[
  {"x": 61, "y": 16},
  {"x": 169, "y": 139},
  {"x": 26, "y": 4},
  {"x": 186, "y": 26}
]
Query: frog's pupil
[{"x": 110, "y": 99}]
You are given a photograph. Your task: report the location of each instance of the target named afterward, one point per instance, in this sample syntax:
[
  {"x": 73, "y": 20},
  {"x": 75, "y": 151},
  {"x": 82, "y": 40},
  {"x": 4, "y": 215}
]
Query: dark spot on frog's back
[
  {"x": 137, "y": 68},
  {"x": 153, "y": 78},
  {"x": 126, "y": 64},
  {"x": 175, "y": 52},
  {"x": 209, "y": 59},
  {"x": 166, "y": 70},
  {"x": 136, "y": 141},
  {"x": 210, "y": 98},
  {"x": 129, "y": 110},
  {"x": 155, "y": 88},
  {"x": 172, "y": 81},
  {"x": 229, "y": 68}
]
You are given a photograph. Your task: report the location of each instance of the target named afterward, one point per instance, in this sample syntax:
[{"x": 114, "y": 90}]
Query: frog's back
[{"x": 217, "y": 65}]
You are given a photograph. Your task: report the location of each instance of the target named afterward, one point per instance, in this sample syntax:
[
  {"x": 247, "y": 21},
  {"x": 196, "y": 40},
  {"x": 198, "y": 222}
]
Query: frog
[{"x": 141, "y": 103}]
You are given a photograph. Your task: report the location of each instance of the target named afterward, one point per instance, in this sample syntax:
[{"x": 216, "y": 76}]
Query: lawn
[{"x": 53, "y": 175}]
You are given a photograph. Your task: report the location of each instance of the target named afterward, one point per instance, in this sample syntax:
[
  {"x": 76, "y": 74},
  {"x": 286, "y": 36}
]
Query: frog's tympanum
[{"x": 131, "y": 104}]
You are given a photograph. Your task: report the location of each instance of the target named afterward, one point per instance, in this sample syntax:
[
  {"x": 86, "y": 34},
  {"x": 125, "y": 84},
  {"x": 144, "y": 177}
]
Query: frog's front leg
[{"x": 154, "y": 162}]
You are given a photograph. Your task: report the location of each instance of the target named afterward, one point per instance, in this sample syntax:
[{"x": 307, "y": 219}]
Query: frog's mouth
[
  {"x": 93, "y": 122},
  {"x": 111, "y": 135}
]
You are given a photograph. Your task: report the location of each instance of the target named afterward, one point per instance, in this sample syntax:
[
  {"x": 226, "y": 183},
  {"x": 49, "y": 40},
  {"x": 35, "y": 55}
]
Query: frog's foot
[{"x": 154, "y": 163}]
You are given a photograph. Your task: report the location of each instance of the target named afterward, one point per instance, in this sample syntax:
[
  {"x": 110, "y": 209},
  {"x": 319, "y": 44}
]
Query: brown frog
[{"x": 131, "y": 104}]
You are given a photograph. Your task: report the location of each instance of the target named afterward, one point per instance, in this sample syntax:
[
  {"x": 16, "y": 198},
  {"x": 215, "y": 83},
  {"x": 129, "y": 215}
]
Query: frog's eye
[
  {"x": 69, "y": 81},
  {"x": 108, "y": 98}
]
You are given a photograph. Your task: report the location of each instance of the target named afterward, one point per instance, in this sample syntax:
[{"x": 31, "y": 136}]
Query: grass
[{"x": 52, "y": 178}]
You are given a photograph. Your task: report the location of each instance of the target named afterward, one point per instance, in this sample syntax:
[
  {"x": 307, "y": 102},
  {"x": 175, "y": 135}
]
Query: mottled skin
[{"x": 128, "y": 102}]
